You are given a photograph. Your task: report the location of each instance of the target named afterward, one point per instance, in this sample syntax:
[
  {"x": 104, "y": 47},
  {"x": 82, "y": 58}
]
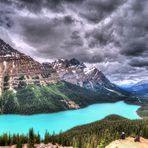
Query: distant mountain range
[
  {"x": 76, "y": 72},
  {"x": 139, "y": 89}
]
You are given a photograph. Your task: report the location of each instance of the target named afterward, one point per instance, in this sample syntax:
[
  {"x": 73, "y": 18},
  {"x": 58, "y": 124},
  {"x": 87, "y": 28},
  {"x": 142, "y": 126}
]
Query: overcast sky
[{"x": 109, "y": 34}]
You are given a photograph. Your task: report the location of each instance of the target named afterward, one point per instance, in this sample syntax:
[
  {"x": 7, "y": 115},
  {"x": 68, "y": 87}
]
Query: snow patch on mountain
[{"x": 78, "y": 73}]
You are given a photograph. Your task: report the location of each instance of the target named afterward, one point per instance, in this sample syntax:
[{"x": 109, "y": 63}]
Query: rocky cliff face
[
  {"x": 16, "y": 67},
  {"x": 77, "y": 73}
]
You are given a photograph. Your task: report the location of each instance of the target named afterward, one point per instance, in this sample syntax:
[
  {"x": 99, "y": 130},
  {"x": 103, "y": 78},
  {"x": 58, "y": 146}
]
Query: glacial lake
[{"x": 62, "y": 121}]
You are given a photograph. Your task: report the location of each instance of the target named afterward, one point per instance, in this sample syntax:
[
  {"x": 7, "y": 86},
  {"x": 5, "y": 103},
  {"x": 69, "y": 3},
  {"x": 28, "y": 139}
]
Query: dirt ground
[
  {"x": 129, "y": 143},
  {"x": 38, "y": 146}
]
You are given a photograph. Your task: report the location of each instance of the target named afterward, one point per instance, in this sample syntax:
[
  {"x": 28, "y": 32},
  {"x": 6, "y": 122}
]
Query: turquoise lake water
[{"x": 66, "y": 119}]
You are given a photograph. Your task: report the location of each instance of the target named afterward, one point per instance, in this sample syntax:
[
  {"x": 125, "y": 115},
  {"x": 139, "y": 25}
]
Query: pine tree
[
  {"x": 38, "y": 139},
  {"x": 31, "y": 138},
  {"x": 46, "y": 137}
]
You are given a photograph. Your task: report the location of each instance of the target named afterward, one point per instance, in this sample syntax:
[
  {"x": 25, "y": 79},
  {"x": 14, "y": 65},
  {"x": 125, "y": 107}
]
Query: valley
[
  {"x": 73, "y": 74},
  {"x": 61, "y": 95},
  {"x": 30, "y": 87},
  {"x": 65, "y": 120},
  {"x": 140, "y": 91}
]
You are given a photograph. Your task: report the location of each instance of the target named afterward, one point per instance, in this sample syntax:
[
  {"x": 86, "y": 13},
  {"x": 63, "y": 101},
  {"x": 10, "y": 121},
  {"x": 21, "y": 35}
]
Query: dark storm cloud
[
  {"x": 132, "y": 28},
  {"x": 75, "y": 41},
  {"x": 112, "y": 34},
  {"x": 95, "y": 10},
  {"x": 68, "y": 19},
  {"x": 5, "y": 20},
  {"x": 5, "y": 16},
  {"x": 135, "y": 48},
  {"x": 37, "y": 5},
  {"x": 34, "y": 5},
  {"x": 100, "y": 36},
  {"x": 139, "y": 62}
]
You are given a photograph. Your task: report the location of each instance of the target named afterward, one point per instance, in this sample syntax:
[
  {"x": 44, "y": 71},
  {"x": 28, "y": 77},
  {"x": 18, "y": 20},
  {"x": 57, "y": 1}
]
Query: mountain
[
  {"x": 14, "y": 62},
  {"x": 76, "y": 72},
  {"x": 28, "y": 87},
  {"x": 33, "y": 99},
  {"x": 140, "y": 89},
  {"x": 16, "y": 67}
]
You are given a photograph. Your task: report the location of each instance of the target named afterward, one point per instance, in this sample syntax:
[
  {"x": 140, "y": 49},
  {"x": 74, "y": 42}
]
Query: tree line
[{"x": 94, "y": 135}]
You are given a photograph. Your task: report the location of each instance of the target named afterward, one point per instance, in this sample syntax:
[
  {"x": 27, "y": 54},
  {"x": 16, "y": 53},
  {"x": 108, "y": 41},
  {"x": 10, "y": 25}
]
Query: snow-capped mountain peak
[{"x": 76, "y": 72}]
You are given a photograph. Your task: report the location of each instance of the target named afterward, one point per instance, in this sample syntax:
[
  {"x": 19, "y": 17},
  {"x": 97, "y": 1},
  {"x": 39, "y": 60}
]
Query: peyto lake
[{"x": 62, "y": 121}]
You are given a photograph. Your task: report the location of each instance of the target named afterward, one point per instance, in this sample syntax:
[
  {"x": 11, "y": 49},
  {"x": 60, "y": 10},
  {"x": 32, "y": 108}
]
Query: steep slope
[
  {"x": 95, "y": 80},
  {"x": 77, "y": 73},
  {"x": 15, "y": 65},
  {"x": 31, "y": 99},
  {"x": 29, "y": 87}
]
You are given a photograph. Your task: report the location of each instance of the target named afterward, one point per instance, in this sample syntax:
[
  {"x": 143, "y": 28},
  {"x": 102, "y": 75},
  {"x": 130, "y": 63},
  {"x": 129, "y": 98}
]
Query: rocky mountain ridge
[
  {"x": 76, "y": 72},
  {"x": 16, "y": 67}
]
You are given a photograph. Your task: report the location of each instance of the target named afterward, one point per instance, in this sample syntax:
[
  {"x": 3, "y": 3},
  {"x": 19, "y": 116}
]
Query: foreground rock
[
  {"x": 129, "y": 143},
  {"x": 42, "y": 145}
]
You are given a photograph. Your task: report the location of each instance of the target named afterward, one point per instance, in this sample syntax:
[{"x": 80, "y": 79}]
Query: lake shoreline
[
  {"x": 72, "y": 109},
  {"x": 142, "y": 111},
  {"x": 65, "y": 120},
  {"x": 69, "y": 109}
]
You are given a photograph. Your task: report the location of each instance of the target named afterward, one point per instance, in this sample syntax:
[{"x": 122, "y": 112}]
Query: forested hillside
[
  {"x": 94, "y": 135},
  {"x": 31, "y": 99},
  {"x": 101, "y": 133}
]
